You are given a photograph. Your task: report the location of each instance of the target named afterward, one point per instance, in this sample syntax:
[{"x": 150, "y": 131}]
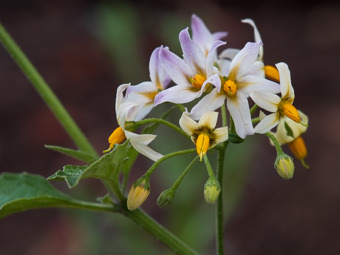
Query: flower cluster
[{"x": 208, "y": 79}]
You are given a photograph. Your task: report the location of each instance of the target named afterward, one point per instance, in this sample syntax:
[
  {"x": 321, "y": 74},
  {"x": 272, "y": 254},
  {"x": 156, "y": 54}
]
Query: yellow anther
[
  {"x": 117, "y": 136},
  {"x": 202, "y": 144},
  {"x": 290, "y": 111},
  {"x": 298, "y": 147},
  {"x": 197, "y": 81},
  {"x": 230, "y": 87},
  {"x": 272, "y": 73}
]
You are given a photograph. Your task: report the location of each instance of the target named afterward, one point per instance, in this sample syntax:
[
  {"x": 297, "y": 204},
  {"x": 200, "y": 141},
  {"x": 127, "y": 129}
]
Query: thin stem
[
  {"x": 219, "y": 210},
  {"x": 46, "y": 93},
  {"x": 224, "y": 115},
  {"x": 184, "y": 173},
  {"x": 208, "y": 166},
  {"x": 161, "y": 121},
  {"x": 275, "y": 142},
  {"x": 165, "y": 157},
  {"x": 159, "y": 232}
]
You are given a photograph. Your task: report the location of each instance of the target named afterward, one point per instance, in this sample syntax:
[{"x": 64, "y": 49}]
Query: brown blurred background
[{"x": 85, "y": 49}]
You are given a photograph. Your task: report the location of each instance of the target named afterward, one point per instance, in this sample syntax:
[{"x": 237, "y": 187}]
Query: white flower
[
  {"x": 127, "y": 111},
  {"x": 203, "y": 133},
  {"x": 279, "y": 106},
  {"x": 243, "y": 77}
]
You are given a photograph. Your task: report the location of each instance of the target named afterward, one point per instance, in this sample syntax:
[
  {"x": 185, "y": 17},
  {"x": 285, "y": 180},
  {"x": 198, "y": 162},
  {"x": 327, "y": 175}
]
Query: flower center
[
  {"x": 202, "y": 144},
  {"x": 272, "y": 73},
  {"x": 197, "y": 81},
  {"x": 230, "y": 87},
  {"x": 290, "y": 111},
  {"x": 117, "y": 136}
]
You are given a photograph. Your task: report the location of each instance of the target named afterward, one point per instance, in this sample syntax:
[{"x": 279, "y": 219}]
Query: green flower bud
[
  {"x": 138, "y": 193},
  {"x": 284, "y": 166},
  {"x": 166, "y": 197},
  {"x": 212, "y": 190}
]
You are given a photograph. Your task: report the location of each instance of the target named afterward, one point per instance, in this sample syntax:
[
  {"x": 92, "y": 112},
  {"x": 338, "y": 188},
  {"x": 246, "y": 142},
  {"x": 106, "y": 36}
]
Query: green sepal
[
  {"x": 289, "y": 130},
  {"x": 77, "y": 154},
  {"x": 105, "y": 199},
  {"x": 234, "y": 138},
  {"x": 105, "y": 168},
  {"x": 21, "y": 192}
]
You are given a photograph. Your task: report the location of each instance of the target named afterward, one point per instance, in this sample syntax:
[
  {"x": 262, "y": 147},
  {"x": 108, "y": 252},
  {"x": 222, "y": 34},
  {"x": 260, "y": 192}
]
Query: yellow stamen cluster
[
  {"x": 197, "y": 81},
  {"x": 272, "y": 73},
  {"x": 290, "y": 111},
  {"x": 230, "y": 87},
  {"x": 202, "y": 144},
  {"x": 298, "y": 147},
  {"x": 117, "y": 136}
]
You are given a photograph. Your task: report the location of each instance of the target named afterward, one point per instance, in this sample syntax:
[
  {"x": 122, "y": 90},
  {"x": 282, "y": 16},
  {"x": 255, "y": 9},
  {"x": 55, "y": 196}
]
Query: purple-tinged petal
[
  {"x": 157, "y": 73},
  {"x": 212, "y": 57},
  {"x": 192, "y": 54},
  {"x": 214, "y": 80},
  {"x": 177, "y": 95},
  {"x": 175, "y": 67},
  {"x": 239, "y": 110},
  {"x": 120, "y": 94},
  {"x": 257, "y": 35}
]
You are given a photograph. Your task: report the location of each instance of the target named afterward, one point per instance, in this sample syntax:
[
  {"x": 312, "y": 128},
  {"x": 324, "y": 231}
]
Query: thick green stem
[
  {"x": 219, "y": 209},
  {"x": 46, "y": 93},
  {"x": 159, "y": 232}
]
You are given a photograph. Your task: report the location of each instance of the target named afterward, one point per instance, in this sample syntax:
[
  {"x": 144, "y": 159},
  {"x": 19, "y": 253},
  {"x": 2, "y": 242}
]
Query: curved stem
[
  {"x": 159, "y": 232},
  {"x": 46, "y": 93},
  {"x": 161, "y": 121}
]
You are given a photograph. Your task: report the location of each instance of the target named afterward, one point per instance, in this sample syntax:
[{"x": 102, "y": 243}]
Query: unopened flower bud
[
  {"x": 212, "y": 190},
  {"x": 284, "y": 166},
  {"x": 138, "y": 193},
  {"x": 166, "y": 198}
]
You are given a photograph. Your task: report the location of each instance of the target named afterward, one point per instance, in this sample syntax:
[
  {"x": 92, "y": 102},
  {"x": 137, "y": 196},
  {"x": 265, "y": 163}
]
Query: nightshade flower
[
  {"x": 242, "y": 78},
  {"x": 127, "y": 111},
  {"x": 191, "y": 74},
  {"x": 144, "y": 93},
  {"x": 279, "y": 106},
  {"x": 203, "y": 133}
]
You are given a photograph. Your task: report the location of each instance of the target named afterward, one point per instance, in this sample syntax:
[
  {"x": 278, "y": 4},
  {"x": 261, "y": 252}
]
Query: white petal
[
  {"x": 187, "y": 124},
  {"x": 250, "y": 83},
  {"x": 214, "y": 80},
  {"x": 158, "y": 76},
  {"x": 208, "y": 119},
  {"x": 212, "y": 56},
  {"x": 267, "y": 101},
  {"x": 140, "y": 142},
  {"x": 285, "y": 81},
  {"x": 229, "y": 53},
  {"x": 239, "y": 109},
  {"x": 120, "y": 95},
  {"x": 210, "y": 102},
  {"x": 139, "y": 93},
  {"x": 126, "y": 112},
  {"x": 257, "y": 35},
  {"x": 221, "y": 135},
  {"x": 177, "y": 95},
  {"x": 267, "y": 123}
]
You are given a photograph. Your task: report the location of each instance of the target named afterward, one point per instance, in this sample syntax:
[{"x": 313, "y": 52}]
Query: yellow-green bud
[
  {"x": 138, "y": 193},
  {"x": 166, "y": 198},
  {"x": 212, "y": 190},
  {"x": 284, "y": 166}
]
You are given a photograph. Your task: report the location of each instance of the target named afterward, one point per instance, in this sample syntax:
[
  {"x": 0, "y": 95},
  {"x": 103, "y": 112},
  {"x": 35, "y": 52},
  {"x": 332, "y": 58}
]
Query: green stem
[
  {"x": 184, "y": 173},
  {"x": 165, "y": 157},
  {"x": 275, "y": 142},
  {"x": 161, "y": 121},
  {"x": 208, "y": 166},
  {"x": 219, "y": 210},
  {"x": 159, "y": 232},
  {"x": 46, "y": 93}
]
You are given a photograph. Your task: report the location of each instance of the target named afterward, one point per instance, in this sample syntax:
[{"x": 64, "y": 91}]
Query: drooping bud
[
  {"x": 212, "y": 189},
  {"x": 166, "y": 197},
  {"x": 284, "y": 166},
  {"x": 138, "y": 193}
]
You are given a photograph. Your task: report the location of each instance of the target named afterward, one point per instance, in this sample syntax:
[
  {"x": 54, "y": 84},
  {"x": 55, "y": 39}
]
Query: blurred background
[{"x": 85, "y": 49}]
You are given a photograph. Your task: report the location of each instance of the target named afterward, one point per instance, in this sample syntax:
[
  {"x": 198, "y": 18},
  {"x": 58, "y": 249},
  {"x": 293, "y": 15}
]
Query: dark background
[{"x": 85, "y": 49}]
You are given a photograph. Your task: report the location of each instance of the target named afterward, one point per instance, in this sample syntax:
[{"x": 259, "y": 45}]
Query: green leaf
[
  {"x": 20, "y": 192},
  {"x": 78, "y": 154},
  {"x": 105, "y": 168},
  {"x": 70, "y": 174}
]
